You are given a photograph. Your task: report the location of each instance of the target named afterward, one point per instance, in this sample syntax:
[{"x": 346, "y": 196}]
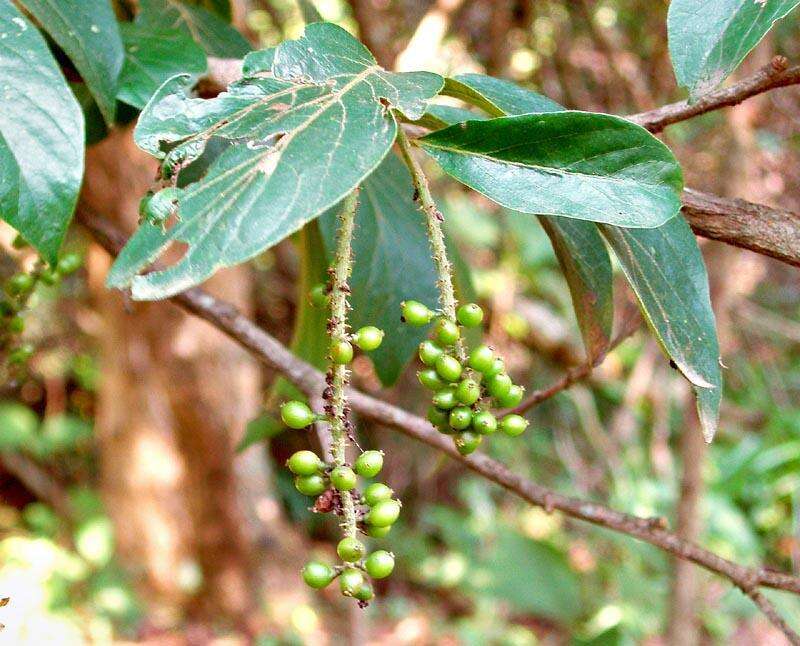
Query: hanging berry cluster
[{"x": 334, "y": 481}]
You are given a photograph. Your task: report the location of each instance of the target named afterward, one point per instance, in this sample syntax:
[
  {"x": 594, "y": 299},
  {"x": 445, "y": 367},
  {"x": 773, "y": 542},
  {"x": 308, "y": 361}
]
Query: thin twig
[{"x": 767, "y": 607}]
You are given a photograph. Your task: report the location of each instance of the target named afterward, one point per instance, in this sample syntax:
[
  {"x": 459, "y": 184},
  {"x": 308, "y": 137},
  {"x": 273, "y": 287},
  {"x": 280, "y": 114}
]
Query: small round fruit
[
  {"x": 344, "y": 478},
  {"x": 379, "y": 564},
  {"x": 460, "y": 418},
  {"x": 481, "y": 358},
  {"x": 499, "y": 385},
  {"x": 484, "y": 422},
  {"x": 468, "y": 392},
  {"x": 341, "y": 351},
  {"x": 378, "y": 532},
  {"x": 369, "y": 338},
  {"x": 376, "y": 492},
  {"x": 445, "y": 398},
  {"x": 304, "y": 463},
  {"x": 446, "y": 332},
  {"x": 467, "y": 442},
  {"x": 498, "y": 366},
  {"x": 19, "y": 284},
  {"x": 350, "y": 580},
  {"x": 383, "y": 513},
  {"x": 430, "y": 379},
  {"x": 429, "y": 352},
  {"x": 21, "y": 354},
  {"x": 69, "y": 264},
  {"x": 317, "y": 574},
  {"x": 364, "y": 592},
  {"x": 296, "y": 414},
  {"x": 369, "y": 464},
  {"x": 448, "y": 368},
  {"x": 350, "y": 549},
  {"x": 437, "y": 416},
  {"x": 16, "y": 324},
  {"x": 318, "y": 295},
  {"x": 513, "y": 425},
  {"x": 415, "y": 313},
  {"x": 470, "y": 315},
  {"x": 512, "y": 398},
  {"x": 312, "y": 485},
  {"x": 49, "y": 276}
]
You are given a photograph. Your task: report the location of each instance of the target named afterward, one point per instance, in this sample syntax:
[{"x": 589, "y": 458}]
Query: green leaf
[
  {"x": 87, "y": 31},
  {"x": 708, "y": 40},
  {"x": 497, "y": 97},
  {"x": 151, "y": 57},
  {"x": 392, "y": 263},
  {"x": 42, "y": 126},
  {"x": 574, "y": 164},
  {"x": 9, "y": 179},
  {"x": 666, "y": 270},
  {"x": 300, "y": 148},
  {"x": 222, "y": 8},
  {"x": 259, "y": 429},
  {"x": 207, "y": 29}
]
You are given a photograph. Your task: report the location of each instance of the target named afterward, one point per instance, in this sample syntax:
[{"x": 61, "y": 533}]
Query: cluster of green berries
[{"x": 463, "y": 392}]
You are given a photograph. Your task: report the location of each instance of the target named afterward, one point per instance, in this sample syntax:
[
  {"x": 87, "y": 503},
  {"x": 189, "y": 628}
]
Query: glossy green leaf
[
  {"x": 151, "y": 57},
  {"x": 666, "y": 270},
  {"x": 392, "y": 263},
  {"x": 211, "y": 32},
  {"x": 300, "y": 148},
  {"x": 9, "y": 179},
  {"x": 42, "y": 126},
  {"x": 87, "y": 31},
  {"x": 497, "y": 97},
  {"x": 573, "y": 164},
  {"x": 708, "y": 40}
]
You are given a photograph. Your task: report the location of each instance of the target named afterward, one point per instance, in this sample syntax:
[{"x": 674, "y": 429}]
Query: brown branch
[
  {"x": 270, "y": 351},
  {"x": 770, "y": 77},
  {"x": 766, "y": 606}
]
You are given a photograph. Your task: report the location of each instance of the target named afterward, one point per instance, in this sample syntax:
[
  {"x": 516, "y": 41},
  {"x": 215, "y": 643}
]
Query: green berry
[
  {"x": 448, "y": 368},
  {"x": 318, "y": 295},
  {"x": 468, "y": 392},
  {"x": 16, "y": 324},
  {"x": 49, "y": 276},
  {"x": 445, "y": 398},
  {"x": 296, "y": 414},
  {"x": 378, "y": 532},
  {"x": 513, "y": 425},
  {"x": 317, "y": 575},
  {"x": 446, "y": 332},
  {"x": 498, "y": 366},
  {"x": 383, "y": 513},
  {"x": 21, "y": 354},
  {"x": 312, "y": 485},
  {"x": 379, "y": 564},
  {"x": 369, "y": 338},
  {"x": 304, "y": 463},
  {"x": 460, "y": 418},
  {"x": 19, "y": 284},
  {"x": 6, "y": 308},
  {"x": 341, "y": 351},
  {"x": 364, "y": 592},
  {"x": 350, "y": 580},
  {"x": 350, "y": 549},
  {"x": 430, "y": 379},
  {"x": 436, "y": 416},
  {"x": 344, "y": 478},
  {"x": 376, "y": 492},
  {"x": 481, "y": 358},
  {"x": 415, "y": 313},
  {"x": 369, "y": 464},
  {"x": 467, "y": 441},
  {"x": 484, "y": 422},
  {"x": 69, "y": 264},
  {"x": 499, "y": 385},
  {"x": 470, "y": 315},
  {"x": 429, "y": 352},
  {"x": 512, "y": 398}
]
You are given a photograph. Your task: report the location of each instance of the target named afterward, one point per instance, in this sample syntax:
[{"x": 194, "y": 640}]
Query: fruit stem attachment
[{"x": 433, "y": 219}]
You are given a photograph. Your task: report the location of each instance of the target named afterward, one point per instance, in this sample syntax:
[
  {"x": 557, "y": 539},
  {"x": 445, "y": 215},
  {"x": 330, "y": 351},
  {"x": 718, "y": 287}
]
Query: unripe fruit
[
  {"x": 481, "y": 358},
  {"x": 296, "y": 414},
  {"x": 312, "y": 485},
  {"x": 429, "y": 352},
  {"x": 350, "y": 549},
  {"x": 378, "y": 532},
  {"x": 16, "y": 324},
  {"x": 350, "y": 580},
  {"x": 499, "y": 385},
  {"x": 448, "y": 368},
  {"x": 341, "y": 351},
  {"x": 304, "y": 463},
  {"x": 460, "y": 418},
  {"x": 318, "y": 295},
  {"x": 498, "y": 366},
  {"x": 468, "y": 392},
  {"x": 379, "y": 564},
  {"x": 446, "y": 332},
  {"x": 364, "y": 592},
  {"x": 369, "y": 464},
  {"x": 484, "y": 422},
  {"x": 467, "y": 442},
  {"x": 69, "y": 264},
  {"x": 21, "y": 354},
  {"x": 6, "y": 308},
  {"x": 512, "y": 398},
  {"x": 376, "y": 492},
  {"x": 383, "y": 513},
  {"x": 415, "y": 313},
  {"x": 19, "y": 284},
  {"x": 445, "y": 398},
  {"x": 369, "y": 338},
  {"x": 437, "y": 416},
  {"x": 513, "y": 425},
  {"x": 430, "y": 379},
  {"x": 317, "y": 575},
  {"x": 49, "y": 276},
  {"x": 470, "y": 315},
  {"x": 343, "y": 478}
]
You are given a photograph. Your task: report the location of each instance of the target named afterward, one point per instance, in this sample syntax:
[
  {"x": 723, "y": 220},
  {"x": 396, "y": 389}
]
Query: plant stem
[
  {"x": 338, "y": 374},
  {"x": 433, "y": 219}
]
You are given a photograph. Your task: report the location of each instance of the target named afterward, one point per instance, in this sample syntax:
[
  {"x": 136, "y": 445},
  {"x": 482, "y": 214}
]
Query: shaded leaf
[
  {"x": 497, "y": 97},
  {"x": 259, "y": 429},
  {"x": 220, "y": 7}
]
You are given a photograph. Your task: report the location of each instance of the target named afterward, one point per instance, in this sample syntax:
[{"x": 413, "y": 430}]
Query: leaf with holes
[{"x": 308, "y": 129}]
